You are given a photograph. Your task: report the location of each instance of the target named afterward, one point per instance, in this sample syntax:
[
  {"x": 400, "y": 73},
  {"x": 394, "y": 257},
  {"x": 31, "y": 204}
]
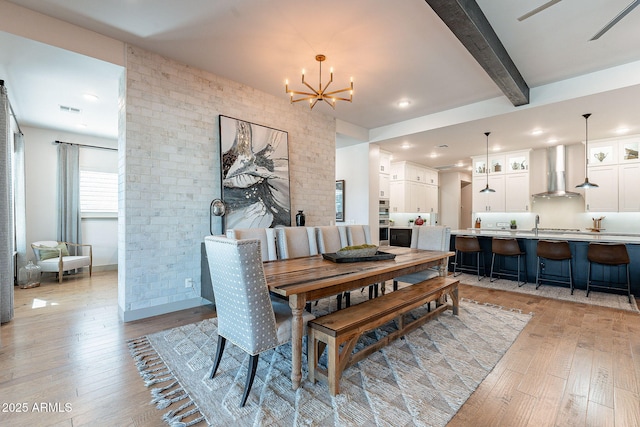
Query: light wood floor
[{"x": 573, "y": 365}]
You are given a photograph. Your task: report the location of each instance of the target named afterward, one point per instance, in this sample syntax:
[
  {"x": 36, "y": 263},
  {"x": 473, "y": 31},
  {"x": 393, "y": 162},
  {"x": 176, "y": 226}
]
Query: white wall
[
  {"x": 41, "y": 193},
  {"x": 352, "y": 165}
]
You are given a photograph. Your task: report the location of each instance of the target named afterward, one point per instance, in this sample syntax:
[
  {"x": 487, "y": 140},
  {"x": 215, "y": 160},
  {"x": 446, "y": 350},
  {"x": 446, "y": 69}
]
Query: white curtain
[
  {"x": 6, "y": 211},
  {"x": 69, "y": 221},
  {"x": 19, "y": 200}
]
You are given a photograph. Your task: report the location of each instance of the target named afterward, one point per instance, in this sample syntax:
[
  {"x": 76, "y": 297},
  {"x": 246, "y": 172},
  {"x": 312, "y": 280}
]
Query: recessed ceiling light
[
  {"x": 536, "y": 132},
  {"x": 496, "y": 148},
  {"x": 433, "y": 155},
  {"x": 552, "y": 141},
  {"x": 81, "y": 125},
  {"x": 404, "y": 103},
  {"x": 91, "y": 97},
  {"x": 405, "y": 145},
  {"x": 622, "y": 130}
]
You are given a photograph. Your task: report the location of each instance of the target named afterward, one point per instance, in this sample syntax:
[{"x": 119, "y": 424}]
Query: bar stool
[
  {"x": 555, "y": 250},
  {"x": 507, "y": 247},
  {"x": 608, "y": 254},
  {"x": 467, "y": 245}
]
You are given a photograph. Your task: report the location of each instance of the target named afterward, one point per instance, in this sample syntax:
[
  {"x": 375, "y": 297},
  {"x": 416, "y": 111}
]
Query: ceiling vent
[{"x": 66, "y": 109}]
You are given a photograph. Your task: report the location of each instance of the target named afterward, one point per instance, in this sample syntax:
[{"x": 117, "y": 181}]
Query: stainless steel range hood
[{"x": 556, "y": 174}]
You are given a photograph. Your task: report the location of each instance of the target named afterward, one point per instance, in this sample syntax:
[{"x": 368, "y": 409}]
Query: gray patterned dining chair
[{"x": 247, "y": 315}]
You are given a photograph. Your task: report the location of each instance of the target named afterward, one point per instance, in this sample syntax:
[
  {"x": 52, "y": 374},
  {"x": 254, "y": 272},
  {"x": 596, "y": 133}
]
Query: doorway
[{"x": 465, "y": 205}]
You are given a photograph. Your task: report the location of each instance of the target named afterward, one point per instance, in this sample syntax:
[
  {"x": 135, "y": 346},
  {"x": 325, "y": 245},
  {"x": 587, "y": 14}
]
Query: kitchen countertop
[{"x": 584, "y": 236}]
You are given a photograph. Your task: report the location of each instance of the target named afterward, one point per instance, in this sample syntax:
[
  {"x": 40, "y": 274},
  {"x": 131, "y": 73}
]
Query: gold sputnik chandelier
[{"x": 321, "y": 93}]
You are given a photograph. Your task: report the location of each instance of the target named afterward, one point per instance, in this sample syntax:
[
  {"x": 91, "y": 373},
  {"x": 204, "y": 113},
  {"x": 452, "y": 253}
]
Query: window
[{"x": 98, "y": 194}]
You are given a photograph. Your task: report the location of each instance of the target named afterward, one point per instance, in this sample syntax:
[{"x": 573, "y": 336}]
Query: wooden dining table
[{"x": 311, "y": 278}]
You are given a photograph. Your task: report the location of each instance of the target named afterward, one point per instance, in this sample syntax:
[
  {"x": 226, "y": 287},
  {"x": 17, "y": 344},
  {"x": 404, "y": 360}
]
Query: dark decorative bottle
[{"x": 300, "y": 219}]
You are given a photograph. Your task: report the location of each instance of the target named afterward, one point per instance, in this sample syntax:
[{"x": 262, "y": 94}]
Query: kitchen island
[{"x": 578, "y": 242}]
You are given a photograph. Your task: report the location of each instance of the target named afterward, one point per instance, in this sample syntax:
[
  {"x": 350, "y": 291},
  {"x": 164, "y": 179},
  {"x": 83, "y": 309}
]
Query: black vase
[{"x": 300, "y": 219}]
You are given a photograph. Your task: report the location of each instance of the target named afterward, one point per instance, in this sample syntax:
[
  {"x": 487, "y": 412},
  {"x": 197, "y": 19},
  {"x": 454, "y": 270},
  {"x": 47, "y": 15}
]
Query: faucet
[{"x": 537, "y": 223}]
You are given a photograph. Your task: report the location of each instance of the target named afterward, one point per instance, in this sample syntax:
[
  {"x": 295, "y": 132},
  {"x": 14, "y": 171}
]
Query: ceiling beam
[{"x": 465, "y": 19}]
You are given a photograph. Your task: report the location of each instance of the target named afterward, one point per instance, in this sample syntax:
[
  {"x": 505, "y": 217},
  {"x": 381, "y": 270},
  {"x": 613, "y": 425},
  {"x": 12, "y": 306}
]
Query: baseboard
[
  {"x": 143, "y": 313},
  {"x": 107, "y": 267}
]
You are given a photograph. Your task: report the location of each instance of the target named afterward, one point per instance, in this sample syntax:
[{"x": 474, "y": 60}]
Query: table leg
[
  {"x": 442, "y": 272},
  {"x": 443, "y": 265},
  {"x": 296, "y": 302},
  {"x": 455, "y": 300}
]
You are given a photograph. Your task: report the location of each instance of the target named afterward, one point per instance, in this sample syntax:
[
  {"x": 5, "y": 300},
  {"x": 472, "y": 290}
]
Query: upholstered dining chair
[
  {"x": 296, "y": 242},
  {"x": 433, "y": 238},
  {"x": 360, "y": 234},
  {"x": 267, "y": 237},
  {"x": 332, "y": 238},
  {"x": 54, "y": 257},
  {"x": 247, "y": 315}
]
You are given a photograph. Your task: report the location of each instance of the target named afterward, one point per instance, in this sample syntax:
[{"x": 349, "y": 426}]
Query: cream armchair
[{"x": 54, "y": 257}]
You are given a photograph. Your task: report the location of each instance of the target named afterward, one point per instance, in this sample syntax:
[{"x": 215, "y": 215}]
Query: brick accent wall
[{"x": 170, "y": 172}]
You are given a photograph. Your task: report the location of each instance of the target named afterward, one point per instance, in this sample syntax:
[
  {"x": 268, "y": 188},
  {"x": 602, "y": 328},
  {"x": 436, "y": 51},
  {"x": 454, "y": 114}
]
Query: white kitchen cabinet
[
  {"x": 397, "y": 200},
  {"x": 431, "y": 176},
  {"x": 603, "y": 198},
  {"x": 417, "y": 174},
  {"x": 489, "y": 202},
  {"x": 398, "y": 171},
  {"x": 417, "y": 197},
  {"x": 413, "y": 197},
  {"x": 517, "y": 194},
  {"x": 432, "y": 198},
  {"x": 385, "y": 162},
  {"x": 385, "y": 189},
  {"x": 406, "y": 171},
  {"x": 614, "y": 165},
  {"x": 497, "y": 164},
  {"x": 628, "y": 150},
  {"x": 479, "y": 166},
  {"x": 517, "y": 161},
  {"x": 602, "y": 153},
  {"x": 407, "y": 196},
  {"x": 629, "y": 187},
  {"x": 413, "y": 188},
  {"x": 509, "y": 177}
]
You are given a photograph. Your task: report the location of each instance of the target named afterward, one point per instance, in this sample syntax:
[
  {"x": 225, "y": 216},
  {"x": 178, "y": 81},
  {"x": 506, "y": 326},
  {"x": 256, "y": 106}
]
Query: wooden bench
[{"x": 344, "y": 327}]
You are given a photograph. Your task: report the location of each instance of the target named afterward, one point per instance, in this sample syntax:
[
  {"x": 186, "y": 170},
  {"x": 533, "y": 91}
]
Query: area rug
[
  {"x": 604, "y": 299},
  {"x": 422, "y": 379}
]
